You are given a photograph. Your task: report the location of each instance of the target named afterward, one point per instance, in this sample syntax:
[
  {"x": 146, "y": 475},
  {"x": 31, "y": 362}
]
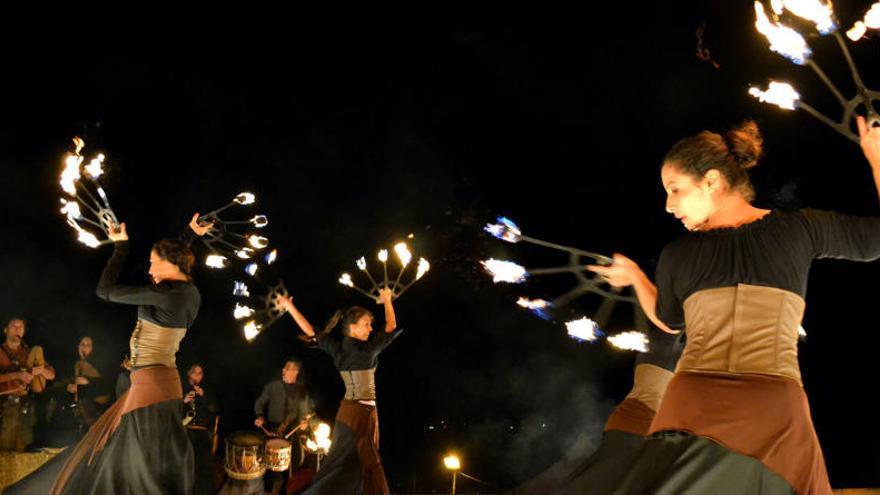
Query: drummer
[{"x": 282, "y": 407}]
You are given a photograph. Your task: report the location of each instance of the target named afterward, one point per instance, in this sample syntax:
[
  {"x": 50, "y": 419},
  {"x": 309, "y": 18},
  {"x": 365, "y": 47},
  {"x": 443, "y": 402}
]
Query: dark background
[{"x": 358, "y": 124}]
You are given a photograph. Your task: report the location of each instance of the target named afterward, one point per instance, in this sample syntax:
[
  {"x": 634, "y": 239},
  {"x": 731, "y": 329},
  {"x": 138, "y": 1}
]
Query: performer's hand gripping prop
[
  {"x": 397, "y": 286},
  {"x": 222, "y": 239}
]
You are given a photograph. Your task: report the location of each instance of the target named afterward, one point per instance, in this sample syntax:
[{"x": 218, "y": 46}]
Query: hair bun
[{"x": 745, "y": 144}]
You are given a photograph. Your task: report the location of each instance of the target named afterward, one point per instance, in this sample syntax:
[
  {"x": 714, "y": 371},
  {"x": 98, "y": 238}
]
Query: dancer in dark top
[
  {"x": 139, "y": 445},
  {"x": 354, "y": 459},
  {"x": 735, "y": 418}
]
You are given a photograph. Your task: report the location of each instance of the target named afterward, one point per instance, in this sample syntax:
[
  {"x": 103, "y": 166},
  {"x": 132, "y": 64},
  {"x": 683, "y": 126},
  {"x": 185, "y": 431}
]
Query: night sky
[{"x": 356, "y": 125}]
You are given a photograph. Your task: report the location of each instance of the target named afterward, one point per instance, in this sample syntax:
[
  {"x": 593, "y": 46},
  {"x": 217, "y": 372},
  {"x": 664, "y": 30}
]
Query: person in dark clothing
[
  {"x": 139, "y": 445},
  {"x": 200, "y": 416},
  {"x": 735, "y": 417},
  {"x": 282, "y": 407},
  {"x": 353, "y": 461}
]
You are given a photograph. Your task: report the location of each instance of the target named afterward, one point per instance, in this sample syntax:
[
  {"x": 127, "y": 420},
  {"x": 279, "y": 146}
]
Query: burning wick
[
  {"x": 244, "y": 253},
  {"x": 630, "y": 341},
  {"x": 260, "y": 221},
  {"x": 505, "y": 271},
  {"x": 505, "y": 230},
  {"x": 240, "y": 289},
  {"x": 242, "y": 312},
  {"x": 251, "y": 330},
  {"x": 345, "y": 280},
  {"x": 251, "y": 269},
  {"x": 245, "y": 198},
  {"x": 777, "y": 93},
  {"x": 215, "y": 261},
  {"x": 271, "y": 256},
  {"x": 258, "y": 242},
  {"x": 584, "y": 329}
]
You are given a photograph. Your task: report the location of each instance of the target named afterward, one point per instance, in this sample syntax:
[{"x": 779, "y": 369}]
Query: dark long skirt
[
  {"x": 138, "y": 446},
  {"x": 731, "y": 433},
  {"x": 353, "y": 461}
]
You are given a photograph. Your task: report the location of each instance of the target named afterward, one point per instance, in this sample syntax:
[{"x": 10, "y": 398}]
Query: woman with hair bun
[
  {"x": 353, "y": 463},
  {"x": 139, "y": 445},
  {"x": 735, "y": 418}
]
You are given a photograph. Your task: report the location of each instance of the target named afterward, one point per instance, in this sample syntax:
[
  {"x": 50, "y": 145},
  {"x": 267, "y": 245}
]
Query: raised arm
[
  {"x": 870, "y": 141},
  {"x": 385, "y": 298},
  {"x": 625, "y": 272},
  {"x": 298, "y": 317}
]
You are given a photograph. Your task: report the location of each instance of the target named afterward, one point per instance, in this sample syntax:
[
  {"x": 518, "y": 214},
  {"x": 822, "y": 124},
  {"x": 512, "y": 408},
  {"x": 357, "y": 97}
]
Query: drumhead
[
  {"x": 277, "y": 443},
  {"x": 245, "y": 439}
]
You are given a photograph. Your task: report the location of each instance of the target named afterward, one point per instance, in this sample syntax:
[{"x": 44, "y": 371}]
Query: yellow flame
[
  {"x": 778, "y": 93},
  {"x": 70, "y": 174},
  {"x": 322, "y": 430},
  {"x": 630, "y": 341},
  {"x": 78, "y": 144},
  {"x": 251, "y": 330},
  {"x": 783, "y": 40},
  {"x": 583, "y": 329},
  {"x": 245, "y": 198},
  {"x": 504, "y": 271},
  {"x": 242, "y": 311},
  {"x": 311, "y": 445},
  {"x": 272, "y": 256},
  {"x": 383, "y": 255},
  {"x": 424, "y": 266},
  {"x": 244, "y": 253},
  {"x": 345, "y": 280},
  {"x": 215, "y": 261},
  {"x": 452, "y": 462},
  {"x": 532, "y": 303},
  {"x": 71, "y": 210},
  {"x": 872, "y": 17},
  {"x": 856, "y": 32},
  {"x": 814, "y": 11},
  {"x": 403, "y": 253},
  {"x": 95, "y": 166},
  {"x": 260, "y": 221},
  {"x": 88, "y": 238},
  {"x": 258, "y": 242},
  {"x": 323, "y": 444},
  {"x": 361, "y": 263}
]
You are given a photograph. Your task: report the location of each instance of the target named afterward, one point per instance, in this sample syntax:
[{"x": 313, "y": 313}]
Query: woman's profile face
[
  {"x": 85, "y": 347},
  {"x": 688, "y": 199},
  {"x": 361, "y": 329},
  {"x": 162, "y": 269}
]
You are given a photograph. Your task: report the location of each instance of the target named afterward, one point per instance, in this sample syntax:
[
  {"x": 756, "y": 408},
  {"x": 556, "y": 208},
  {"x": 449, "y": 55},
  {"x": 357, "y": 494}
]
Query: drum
[
  {"x": 244, "y": 456},
  {"x": 277, "y": 456}
]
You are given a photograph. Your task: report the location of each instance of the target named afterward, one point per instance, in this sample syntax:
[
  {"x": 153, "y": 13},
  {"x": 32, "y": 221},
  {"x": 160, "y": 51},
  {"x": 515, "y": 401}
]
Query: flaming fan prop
[
  {"x": 397, "y": 287},
  {"x": 259, "y": 309},
  {"x": 224, "y": 242},
  {"x": 319, "y": 442},
  {"x": 86, "y": 205},
  {"x": 791, "y": 44},
  {"x": 583, "y": 329}
]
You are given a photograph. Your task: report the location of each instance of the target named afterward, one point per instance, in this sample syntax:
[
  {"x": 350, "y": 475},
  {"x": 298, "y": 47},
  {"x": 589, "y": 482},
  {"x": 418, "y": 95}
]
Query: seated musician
[
  {"x": 22, "y": 373},
  {"x": 283, "y": 407},
  {"x": 200, "y": 418}
]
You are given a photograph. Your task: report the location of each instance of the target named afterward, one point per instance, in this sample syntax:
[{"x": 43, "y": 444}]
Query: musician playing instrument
[
  {"x": 22, "y": 370},
  {"x": 289, "y": 409},
  {"x": 200, "y": 419}
]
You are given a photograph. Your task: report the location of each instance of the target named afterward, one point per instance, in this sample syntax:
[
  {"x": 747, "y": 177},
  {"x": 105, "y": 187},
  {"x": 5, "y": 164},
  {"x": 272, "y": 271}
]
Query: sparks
[
  {"x": 424, "y": 266},
  {"x": 630, "y": 341},
  {"x": 345, "y": 280},
  {"x": 505, "y": 229},
  {"x": 783, "y": 40},
  {"x": 242, "y": 311},
  {"x": 251, "y": 269},
  {"x": 383, "y": 255},
  {"x": 215, "y": 261},
  {"x": 403, "y": 253},
  {"x": 271, "y": 256},
  {"x": 240, "y": 289},
  {"x": 505, "y": 271},
  {"x": 251, "y": 330},
  {"x": 245, "y": 198},
  {"x": 258, "y": 242},
  {"x": 584, "y": 329},
  {"x": 778, "y": 93},
  {"x": 260, "y": 221},
  {"x": 361, "y": 263}
]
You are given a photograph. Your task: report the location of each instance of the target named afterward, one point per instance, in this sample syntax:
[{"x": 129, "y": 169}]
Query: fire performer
[
  {"x": 283, "y": 407},
  {"x": 19, "y": 376},
  {"x": 139, "y": 445},
  {"x": 354, "y": 459},
  {"x": 736, "y": 283}
]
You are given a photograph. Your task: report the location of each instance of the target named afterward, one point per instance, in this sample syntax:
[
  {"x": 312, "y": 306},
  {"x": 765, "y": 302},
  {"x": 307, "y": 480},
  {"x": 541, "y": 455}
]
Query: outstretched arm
[
  {"x": 870, "y": 141},
  {"x": 625, "y": 272},
  {"x": 385, "y": 298},
  {"x": 299, "y": 318}
]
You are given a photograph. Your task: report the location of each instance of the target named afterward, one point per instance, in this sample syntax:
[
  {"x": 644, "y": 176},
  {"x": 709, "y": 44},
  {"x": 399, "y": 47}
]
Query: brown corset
[
  {"x": 743, "y": 329},
  {"x": 152, "y": 344},
  {"x": 359, "y": 384}
]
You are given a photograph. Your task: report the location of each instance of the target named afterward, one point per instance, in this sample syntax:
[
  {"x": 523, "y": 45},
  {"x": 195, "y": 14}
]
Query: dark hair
[
  {"x": 194, "y": 366},
  {"x": 345, "y": 318},
  {"x": 293, "y": 359},
  {"x": 177, "y": 253},
  {"x": 732, "y": 154}
]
